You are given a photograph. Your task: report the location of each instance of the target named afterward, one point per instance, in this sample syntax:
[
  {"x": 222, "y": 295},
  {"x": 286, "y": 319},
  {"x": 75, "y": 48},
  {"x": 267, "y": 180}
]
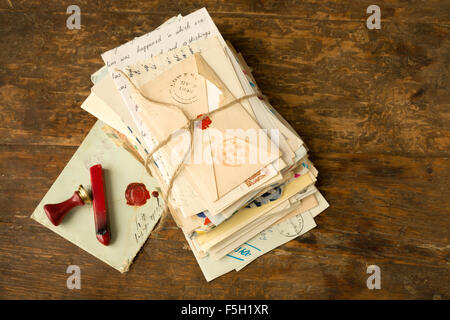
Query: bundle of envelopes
[{"x": 246, "y": 185}]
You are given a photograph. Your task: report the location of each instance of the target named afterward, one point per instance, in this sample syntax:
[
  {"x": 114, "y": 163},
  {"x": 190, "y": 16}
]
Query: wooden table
[{"x": 372, "y": 106}]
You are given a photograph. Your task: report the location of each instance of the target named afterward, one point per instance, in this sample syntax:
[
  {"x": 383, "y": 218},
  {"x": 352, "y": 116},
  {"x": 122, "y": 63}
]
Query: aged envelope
[
  {"x": 185, "y": 85},
  {"x": 95, "y": 106},
  {"x": 285, "y": 231},
  {"x": 282, "y": 212},
  {"x": 304, "y": 167},
  {"x": 130, "y": 226},
  {"x": 307, "y": 203},
  {"x": 263, "y": 113},
  {"x": 250, "y": 250},
  {"x": 213, "y": 53},
  {"x": 185, "y": 32},
  {"x": 217, "y": 57},
  {"x": 149, "y": 48},
  {"x": 105, "y": 103},
  {"x": 247, "y": 215},
  {"x": 106, "y": 90},
  {"x": 249, "y": 231}
]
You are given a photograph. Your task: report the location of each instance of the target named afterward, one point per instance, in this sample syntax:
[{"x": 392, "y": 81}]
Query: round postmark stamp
[
  {"x": 185, "y": 88},
  {"x": 292, "y": 227}
]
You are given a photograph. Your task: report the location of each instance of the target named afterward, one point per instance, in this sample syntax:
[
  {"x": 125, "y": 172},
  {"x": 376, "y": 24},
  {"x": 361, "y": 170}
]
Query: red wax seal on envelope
[{"x": 136, "y": 194}]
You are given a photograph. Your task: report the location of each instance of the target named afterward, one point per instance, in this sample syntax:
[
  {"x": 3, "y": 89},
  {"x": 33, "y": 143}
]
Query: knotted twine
[{"x": 189, "y": 126}]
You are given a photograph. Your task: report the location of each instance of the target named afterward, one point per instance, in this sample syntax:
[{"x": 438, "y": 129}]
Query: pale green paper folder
[{"x": 130, "y": 226}]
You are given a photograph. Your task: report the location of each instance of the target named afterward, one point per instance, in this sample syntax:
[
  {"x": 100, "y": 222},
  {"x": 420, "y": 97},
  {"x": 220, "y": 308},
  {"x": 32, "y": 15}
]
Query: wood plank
[{"x": 430, "y": 11}]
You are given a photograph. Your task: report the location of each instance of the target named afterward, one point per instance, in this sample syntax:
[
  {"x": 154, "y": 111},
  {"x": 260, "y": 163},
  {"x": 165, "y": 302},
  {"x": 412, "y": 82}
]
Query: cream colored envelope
[
  {"x": 106, "y": 90},
  {"x": 222, "y": 248},
  {"x": 214, "y": 54},
  {"x": 304, "y": 167},
  {"x": 285, "y": 231},
  {"x": 307, "y": 203},
  {"x": 286, "y": 210},
  {"x": 247, "y": 215},
  {"x": 95, "y": 106},
  {"x": 130, "y": 225},
  {"x": 211, "y": 50},
  {"x": 259, "y": 245},
  {"x": 187, "y": 86}
]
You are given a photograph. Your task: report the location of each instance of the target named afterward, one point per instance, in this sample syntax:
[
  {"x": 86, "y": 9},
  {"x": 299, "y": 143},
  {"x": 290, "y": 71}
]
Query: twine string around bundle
[{"x": 189, "y": 126}]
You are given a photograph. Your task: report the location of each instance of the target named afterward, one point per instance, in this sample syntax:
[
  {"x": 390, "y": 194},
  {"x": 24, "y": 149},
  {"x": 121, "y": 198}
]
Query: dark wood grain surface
[{"x": 372, "y": 106}]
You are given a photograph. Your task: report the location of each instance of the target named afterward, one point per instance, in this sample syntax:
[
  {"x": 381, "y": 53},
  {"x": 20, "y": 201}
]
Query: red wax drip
[
  {"x": 136, "y": 194},
  {"x": 205, "y": 122}
]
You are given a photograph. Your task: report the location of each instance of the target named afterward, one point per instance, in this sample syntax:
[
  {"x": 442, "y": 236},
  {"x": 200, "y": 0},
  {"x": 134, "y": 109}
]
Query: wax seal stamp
[
  {"x": 184, "y": 88},
  {"x": 56, "y": 212}
]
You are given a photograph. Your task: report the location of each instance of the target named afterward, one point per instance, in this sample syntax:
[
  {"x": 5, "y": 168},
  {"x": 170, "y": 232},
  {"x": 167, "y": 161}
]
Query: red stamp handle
[{"x": 56, "y": 212}]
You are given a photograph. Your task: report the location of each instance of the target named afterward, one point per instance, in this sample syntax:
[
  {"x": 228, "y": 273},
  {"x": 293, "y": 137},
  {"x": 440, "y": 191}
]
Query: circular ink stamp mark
[
  {"x": 184, "y": 88},
  {"x": 292, "y": 227},
  {"x": 234, "y": 152}
]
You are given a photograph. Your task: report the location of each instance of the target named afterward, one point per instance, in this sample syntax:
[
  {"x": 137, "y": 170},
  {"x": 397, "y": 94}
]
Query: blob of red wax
[
  {"x": 205, "y": 122},
  {"x": 136, "y": 194}
]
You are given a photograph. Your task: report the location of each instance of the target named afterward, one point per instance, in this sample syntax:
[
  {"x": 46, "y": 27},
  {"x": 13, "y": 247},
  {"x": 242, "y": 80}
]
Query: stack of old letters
[{"x": 236, "y": 176}]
